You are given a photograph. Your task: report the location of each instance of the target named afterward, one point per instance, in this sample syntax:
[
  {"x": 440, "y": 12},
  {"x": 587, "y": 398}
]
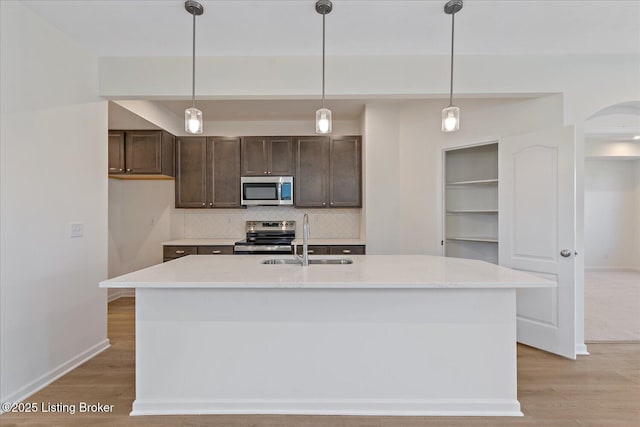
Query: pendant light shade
[
  {"x": 450, "y": 119},
  {"x": 323, "y": 120},
  {"x": 193, "y": 120},
  {"x": 451, "y": 114},
  {"x": 323, "y": 115},
  {"x": 193, "y": 116}
]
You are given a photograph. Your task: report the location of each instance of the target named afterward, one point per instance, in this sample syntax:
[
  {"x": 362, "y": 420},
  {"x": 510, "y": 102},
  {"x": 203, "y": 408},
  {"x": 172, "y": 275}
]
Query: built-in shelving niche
[{"x": 471, "y": 202}]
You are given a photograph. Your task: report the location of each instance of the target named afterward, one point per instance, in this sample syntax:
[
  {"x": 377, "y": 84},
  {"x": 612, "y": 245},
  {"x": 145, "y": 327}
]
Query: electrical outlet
[{"x": 77, "y": 230}]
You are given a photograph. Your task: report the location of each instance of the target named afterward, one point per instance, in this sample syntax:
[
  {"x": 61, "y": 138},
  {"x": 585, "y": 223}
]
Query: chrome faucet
[{"x": 305, "y": 241}]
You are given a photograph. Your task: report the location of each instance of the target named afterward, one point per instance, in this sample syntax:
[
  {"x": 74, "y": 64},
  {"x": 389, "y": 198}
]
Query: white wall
[
  {"x": 53, "y": 168},
  {"x": 123, "y": 118},
  {"x": 404, "y": 162},
  {"x": 638, "y": 211},
  {"x": 277, "y": 128},
  {"x": 579, "y": 77},
  {"x": 612, "y": 214},
  {"x": 382, "y": 178},
  {"x": 140, "y": 214},
  {"x": 139, "y": 221},
  {"x": 620, "y": 149}
]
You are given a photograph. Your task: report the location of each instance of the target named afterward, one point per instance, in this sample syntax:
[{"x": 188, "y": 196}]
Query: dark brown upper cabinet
[
  {"x": 345, "y": 172},
  {"x": 328, "y": 172},
  {"x": 267, "y": 155},
  {"x": 224, "y": 172},
  {"x": 207, "y": 172},
  {"x": 116, "y": 151},
  {"x": 312, "y": 171},
  {"x": 143, "y": 152}
]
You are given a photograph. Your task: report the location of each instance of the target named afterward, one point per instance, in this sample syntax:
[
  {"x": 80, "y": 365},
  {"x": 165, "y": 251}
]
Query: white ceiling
[{"x": 355, "y": 27}]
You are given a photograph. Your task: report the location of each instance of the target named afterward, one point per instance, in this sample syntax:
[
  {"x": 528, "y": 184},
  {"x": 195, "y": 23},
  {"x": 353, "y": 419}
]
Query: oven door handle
[
  {"x": 279, "y": 191},
  {"x": 263, "y": 248}
]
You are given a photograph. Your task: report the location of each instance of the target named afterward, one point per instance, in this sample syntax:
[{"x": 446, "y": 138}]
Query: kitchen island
[{"x": 385, "y": 335}]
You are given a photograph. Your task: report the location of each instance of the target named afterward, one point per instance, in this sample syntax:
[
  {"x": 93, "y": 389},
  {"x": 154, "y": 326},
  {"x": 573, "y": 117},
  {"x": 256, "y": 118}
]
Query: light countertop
[{"x": 367, "y": 271}]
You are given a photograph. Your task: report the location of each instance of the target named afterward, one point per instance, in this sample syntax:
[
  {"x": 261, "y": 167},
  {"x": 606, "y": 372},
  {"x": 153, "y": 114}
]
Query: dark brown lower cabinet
[
  {"x": 173, "y": 252},
  {"x": 207, "y": 172},
  {"x": 215, "y": 250},
  {"x": 333, "y": 249},
  {"x": 347, "y": 250}
]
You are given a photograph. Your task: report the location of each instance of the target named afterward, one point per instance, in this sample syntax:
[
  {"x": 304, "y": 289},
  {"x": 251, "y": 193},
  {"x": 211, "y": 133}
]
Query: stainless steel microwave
[{"x": 266, "y": 190}]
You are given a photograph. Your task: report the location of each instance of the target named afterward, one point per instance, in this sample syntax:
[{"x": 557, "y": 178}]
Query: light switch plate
[{"x": 77, "y": 230}]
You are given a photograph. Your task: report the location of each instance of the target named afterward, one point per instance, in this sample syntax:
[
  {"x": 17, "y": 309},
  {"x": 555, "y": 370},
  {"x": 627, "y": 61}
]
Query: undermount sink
[
  {"x": 331, "y": 261},
  {"x": 320, "y": 261}
]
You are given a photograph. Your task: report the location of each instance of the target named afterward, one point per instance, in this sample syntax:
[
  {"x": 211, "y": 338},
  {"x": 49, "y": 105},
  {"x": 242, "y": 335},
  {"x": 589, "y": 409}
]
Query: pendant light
[
  {"x": 193, "y": 116},
  {"x": 323, "y": 115},
  {"x": 451, "y": 114}
]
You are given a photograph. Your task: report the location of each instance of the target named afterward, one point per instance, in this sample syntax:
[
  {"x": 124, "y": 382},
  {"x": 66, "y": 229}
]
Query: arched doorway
[{"x": 612, "y": 224}]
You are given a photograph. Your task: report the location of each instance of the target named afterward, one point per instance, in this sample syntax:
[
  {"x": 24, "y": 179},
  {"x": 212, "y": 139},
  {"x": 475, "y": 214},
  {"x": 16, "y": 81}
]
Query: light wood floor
[{"x": 599, "y": 390}]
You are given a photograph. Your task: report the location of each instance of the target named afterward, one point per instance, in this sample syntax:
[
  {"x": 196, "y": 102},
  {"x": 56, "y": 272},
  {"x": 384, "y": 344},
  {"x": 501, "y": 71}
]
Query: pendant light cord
[
  {"x": 453, "y": 17},
  {"x": 193, "y": 64},
  {"x": 323, "y": 16}
]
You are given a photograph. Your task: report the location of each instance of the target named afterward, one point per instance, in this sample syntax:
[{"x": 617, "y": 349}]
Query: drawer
[
  {"x": 215, "y": 250},
  {"x": 314, "y": 250},
  {"x": 346, "y": 250},
  {"x": 178, "y": 251}
]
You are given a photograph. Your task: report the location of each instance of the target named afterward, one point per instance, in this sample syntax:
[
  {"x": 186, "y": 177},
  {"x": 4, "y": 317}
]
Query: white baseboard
[
  {"x": 375, "y": 407},
  {"x": 611, "y": 269},
  {"x": 121, "y": 293},
  {"x": 581, "y": 350},
  {"x": 55, "y": 373}
]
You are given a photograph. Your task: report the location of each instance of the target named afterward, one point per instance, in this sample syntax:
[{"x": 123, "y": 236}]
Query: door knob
[{"x": 565, "y": 253}]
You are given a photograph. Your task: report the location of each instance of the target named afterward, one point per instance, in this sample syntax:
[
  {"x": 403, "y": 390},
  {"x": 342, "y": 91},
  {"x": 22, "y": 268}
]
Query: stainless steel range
[{"x": 267, "y": 237}]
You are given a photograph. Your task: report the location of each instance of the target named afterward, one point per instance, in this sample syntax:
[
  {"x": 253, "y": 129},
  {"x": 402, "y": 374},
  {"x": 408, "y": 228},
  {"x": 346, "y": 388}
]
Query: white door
[{"x": 537, "y": 233}]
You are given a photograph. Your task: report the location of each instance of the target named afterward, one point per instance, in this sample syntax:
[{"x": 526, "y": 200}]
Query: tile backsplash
[{"x": 229, "y": 223}]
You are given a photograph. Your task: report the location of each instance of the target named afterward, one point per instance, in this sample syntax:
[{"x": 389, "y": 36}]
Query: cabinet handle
[
  {"x": 204, "y": 204},
  {"x": 310, "y": 251},
  {"x": 128, "y": 170},
  {"x": 179, "y": 252},
  {"x": 216, "y": 252},
  {"x": 324, "y": 203},
  {"x": 210, "y": 203},
  {"x": 331, "y": 203},
  {"x": 265, "y": 172},
  {"x": 346, "y": 251},
  {"x": 114, "y": 169}
]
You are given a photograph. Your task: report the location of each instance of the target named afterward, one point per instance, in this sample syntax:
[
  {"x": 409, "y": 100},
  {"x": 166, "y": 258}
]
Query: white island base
[{"x": 335, "y": 347}]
